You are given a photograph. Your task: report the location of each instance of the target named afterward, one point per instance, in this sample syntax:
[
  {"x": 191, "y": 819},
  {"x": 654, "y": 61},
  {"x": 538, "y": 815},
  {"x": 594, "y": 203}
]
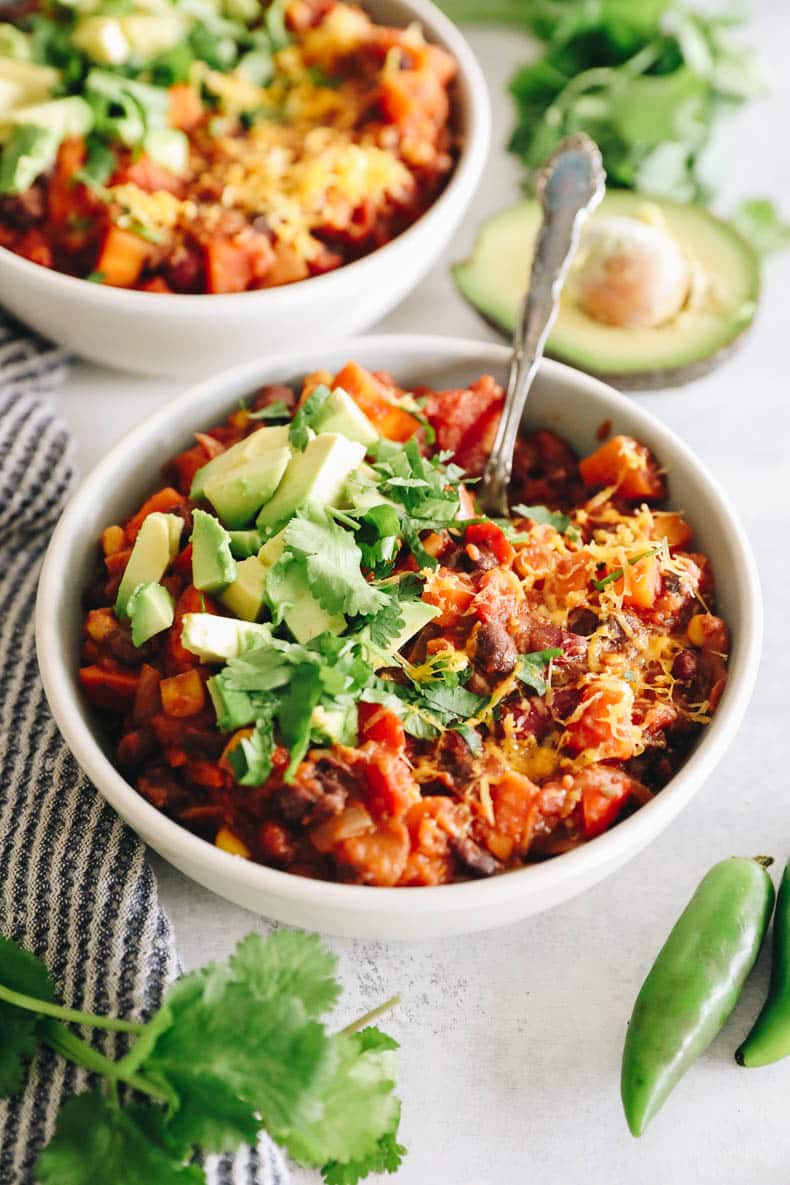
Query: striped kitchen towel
[{"x": 75, "y": 886}]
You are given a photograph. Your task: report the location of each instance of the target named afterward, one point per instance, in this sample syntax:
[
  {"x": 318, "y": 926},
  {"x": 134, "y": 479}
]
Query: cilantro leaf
[
  {"x": 21, "y": 972},
  {"x": 542, "y": 515},
  {"x": 386, "y": 1158},
  {"x": 276, "y": 410},
  {"x": 471, "y": 736},
  {"x": 385, "y": 626},
  {"x": 359, "y": 1106},
  {"x": 251, "y": 757},
  {"x": 274, "y": 1069},
  {"x": 299, "y": 433},
  {"x": 296, "y": 713},
  {"x": 530, "y": 668},
  {"x": 95, "y": 1140},
  {"x": 289, "y": 963},
  {"x": 333, "y": 563},
  {"x": 378, "y": 537}
]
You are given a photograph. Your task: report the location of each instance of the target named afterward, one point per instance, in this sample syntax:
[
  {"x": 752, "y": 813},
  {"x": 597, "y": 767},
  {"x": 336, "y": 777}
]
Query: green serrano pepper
[
  {"x": 694, "y": 983},
  {"x": 769, "y": 1040}
]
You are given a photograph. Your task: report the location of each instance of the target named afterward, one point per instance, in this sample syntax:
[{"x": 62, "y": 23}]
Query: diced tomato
[
  {"x": 110, "y": 689},
  {"x": 391, "y": 788},
  {"x": 452, "y": 593},
  {"x": 514, "y": 799},
  {"x": 205, "y": 773},
  {"x": 186, "y": 108},
  {"x": 604, "y": 794},
  {"x": 499, "y": 597},
  {"x": 490, "y": 537},
  {"x": 459, "y": 416},
  {"x": 627, "y": 465},
  {"x": 146, "y": 174},
  {"x": 431, "y": 823},
  {"x": 190, "y": 601},
  {"x": 162, "y": 501},
  {"x": 379, "y": 724}
]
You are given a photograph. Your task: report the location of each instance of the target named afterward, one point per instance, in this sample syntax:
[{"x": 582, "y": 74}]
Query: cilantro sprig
[
  {"x": 235, "y": 1048},
  {"x": 531, "y": 668}
]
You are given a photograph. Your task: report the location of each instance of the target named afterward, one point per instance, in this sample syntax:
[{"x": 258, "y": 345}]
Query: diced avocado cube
[
  {"x": 238, "y": 494},
  {"x": 245, "y": 596},
  {"x": 336, "y": 725},
  {"x": 168, "y": 147},
  {"x": 244, "y": 544},
  {"x": 213, "y": 566},
  {"x": 314, "y": 479},
  {"x": 103, "y": 39},
  {"x": 264, "y": 440},
  {"x": 70, "y": 116},
  {"x": 340, "y": 414},
  {"x": 14, "y": 43},
  {"x": 234, "y": 708},
  {"x": 415, "y": 614},
  {"x": 271, "y": 552},
  {"x": 29, "y": 152},
  {"x": 150, "y": 609},
  {"x": 219, "y": 639},
  {"x": 154, "y": 548},
  {"x": 25, "y": 82}
]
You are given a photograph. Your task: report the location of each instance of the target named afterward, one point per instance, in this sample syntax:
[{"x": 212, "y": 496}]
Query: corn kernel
[
  {"x": 696, "y": 630},
  {"x": 228, "y": 842},
  {"x": 113, "y": 540}
]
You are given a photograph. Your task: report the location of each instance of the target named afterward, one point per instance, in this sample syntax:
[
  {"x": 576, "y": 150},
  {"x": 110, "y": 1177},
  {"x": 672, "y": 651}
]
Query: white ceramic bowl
[
  {"x": 563, "y": 399},
  {"x": 158, "y": 333}
]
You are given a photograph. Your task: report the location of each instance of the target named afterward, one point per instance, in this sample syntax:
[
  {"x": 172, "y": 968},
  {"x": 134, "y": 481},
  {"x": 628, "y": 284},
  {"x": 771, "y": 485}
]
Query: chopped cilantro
[
  {"x": 273, "y": 411},
  {"x": 530, "y": 668},
  {"x": 331, "y": 560},
  {"x": 99, "y": 163},
  {"x": 299, "y": 434},
  {"x": 619, "y": 573},
  {"x": 542, "y": 515},
  {"x": 96, "y": 277},
  {"x": 251, "y": 757}
]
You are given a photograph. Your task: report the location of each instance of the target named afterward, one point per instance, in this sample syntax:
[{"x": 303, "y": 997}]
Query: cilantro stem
[
  {"x": 45, "y": 1008},
  {"x": 619, "y": 573},
  {"x": 363, "y": 1021},
  {"x": 74, "y": 1049}
]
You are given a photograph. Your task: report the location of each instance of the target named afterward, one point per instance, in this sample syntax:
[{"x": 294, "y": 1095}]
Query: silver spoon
[{"x": 569, "y": 186}]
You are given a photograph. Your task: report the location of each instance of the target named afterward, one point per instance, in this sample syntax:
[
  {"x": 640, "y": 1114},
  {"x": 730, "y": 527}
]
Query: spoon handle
[{"x": 568, "y": 187}]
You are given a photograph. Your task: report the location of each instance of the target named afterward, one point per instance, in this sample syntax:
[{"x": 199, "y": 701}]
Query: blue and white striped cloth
[{"x": 75, "y": 886}]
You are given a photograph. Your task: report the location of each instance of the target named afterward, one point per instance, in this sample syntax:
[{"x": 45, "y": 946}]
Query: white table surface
[{"x": 512, "y": 1039}]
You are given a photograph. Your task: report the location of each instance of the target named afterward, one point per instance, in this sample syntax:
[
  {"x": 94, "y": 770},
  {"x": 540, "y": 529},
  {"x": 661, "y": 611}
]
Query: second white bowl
[{"x": 183, "y": 336}]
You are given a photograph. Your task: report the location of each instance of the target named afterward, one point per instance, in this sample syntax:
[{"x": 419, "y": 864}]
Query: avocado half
[{"x": 705, "y": 330}]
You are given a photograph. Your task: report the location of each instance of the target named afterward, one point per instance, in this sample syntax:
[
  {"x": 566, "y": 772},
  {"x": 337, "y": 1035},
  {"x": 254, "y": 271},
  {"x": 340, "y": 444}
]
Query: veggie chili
[
  {"x": 215, "y": 149},
  {"x": 342, "y": 670},
  {"x": 694, "y": 983}
]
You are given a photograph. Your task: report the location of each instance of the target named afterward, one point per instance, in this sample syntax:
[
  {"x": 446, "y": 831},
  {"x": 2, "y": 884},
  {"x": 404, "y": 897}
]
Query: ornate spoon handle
[{"x": 569, "y": 186}]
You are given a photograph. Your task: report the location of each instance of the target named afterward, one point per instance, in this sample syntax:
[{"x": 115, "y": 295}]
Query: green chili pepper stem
[
  {"x": 769, "y": 1039},
  {"x": 694, "y": 983}
]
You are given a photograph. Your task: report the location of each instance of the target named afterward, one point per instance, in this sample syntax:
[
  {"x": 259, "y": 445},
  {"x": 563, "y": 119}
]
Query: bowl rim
[
  {"x": 605, "y": 851},
  {"x": 476, "y": 136}
]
